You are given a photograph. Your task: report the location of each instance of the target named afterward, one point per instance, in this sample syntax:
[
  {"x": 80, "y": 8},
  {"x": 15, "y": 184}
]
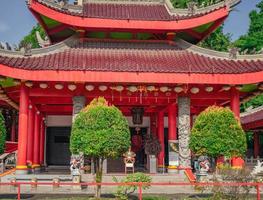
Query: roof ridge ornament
[
  {"x": 42, "y": 42},
  {"x": 191, "y": 6},
  {"x": 233, "y": 52},
  {"x": 26, "y": 48}
]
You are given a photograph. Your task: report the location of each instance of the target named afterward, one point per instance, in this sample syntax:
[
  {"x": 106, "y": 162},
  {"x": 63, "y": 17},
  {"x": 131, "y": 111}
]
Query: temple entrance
[{"x": 57, "y": 148}]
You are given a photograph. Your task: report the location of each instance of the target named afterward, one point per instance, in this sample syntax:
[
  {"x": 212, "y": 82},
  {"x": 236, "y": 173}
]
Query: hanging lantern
[
  {"x": 178, "y": 89},
  {"x": 103, "y": 88},
  {"x": 29, "y": 84},
  {"x": 137, "y": 115},
  {"x": 195, "y": 90},
  {"x": 119, "y": 88},
  {"x": 209, "y": 89},
  {"x": 164, "y": 89},
  {"x": 43, "y": 85},
  {"x": 89, "y": 87},
  {"x": 151, "y": 88},
  {"x": 59, "y": 86},
  {"x": 72, "y": 87},
  {"x": 132, "y": 88}
]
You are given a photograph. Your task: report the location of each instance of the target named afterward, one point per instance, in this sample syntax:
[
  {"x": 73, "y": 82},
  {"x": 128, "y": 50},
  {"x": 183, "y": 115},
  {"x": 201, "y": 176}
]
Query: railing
[{"x": 139, "y": 185}]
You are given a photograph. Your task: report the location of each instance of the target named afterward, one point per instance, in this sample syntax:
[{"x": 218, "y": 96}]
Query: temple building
[{"x": 141, "y": 56}]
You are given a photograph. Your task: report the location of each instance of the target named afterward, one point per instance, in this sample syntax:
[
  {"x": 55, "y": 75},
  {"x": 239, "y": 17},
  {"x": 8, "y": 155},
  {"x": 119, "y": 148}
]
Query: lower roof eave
[{"x": 130, "y": 77}]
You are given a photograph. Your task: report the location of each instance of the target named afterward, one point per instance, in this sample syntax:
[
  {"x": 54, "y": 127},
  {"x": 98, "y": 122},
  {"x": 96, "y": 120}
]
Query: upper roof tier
[
  {"x": 155, "y": 16},
  {"x": 144, "y": 61}
]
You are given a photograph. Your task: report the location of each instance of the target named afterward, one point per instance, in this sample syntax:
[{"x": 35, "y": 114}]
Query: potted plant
[{"x": 152, "y": 148}]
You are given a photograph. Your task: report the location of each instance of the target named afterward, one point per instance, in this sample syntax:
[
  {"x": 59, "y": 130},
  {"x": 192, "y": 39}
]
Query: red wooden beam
[
  {"x": 130, "y": 77},
  {"x": 253, "y": 125}
]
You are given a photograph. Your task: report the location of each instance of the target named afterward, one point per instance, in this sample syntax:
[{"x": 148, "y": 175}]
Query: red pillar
[
  {"x": 22, "y": 128},
  {"x": 234, "y": 102},
  {"x": 42, "y": 141},
  {"x": 161, "y": 138},
  {"x": 172, "y": 134},
  {"x": 153, "y": 124},
  {"x": 30, "y": 143},
  {"x": 256, "y": 144},
  {"x": 36, "y": 163}
]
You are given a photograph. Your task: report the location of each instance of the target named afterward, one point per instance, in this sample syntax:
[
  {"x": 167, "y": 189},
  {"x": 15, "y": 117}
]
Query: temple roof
[
  {"x": 154, "y": 16},
  {"x": 143, "y": 10},
  {"x": 131, "y": 56},
  {"x": 250, "y": 118}
]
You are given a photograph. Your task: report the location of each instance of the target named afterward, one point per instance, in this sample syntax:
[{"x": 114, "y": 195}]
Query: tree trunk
[{"x": 99, "y": 168}]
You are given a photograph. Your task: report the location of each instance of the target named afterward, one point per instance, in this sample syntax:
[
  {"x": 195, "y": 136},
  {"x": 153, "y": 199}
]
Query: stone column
[
  {"x": 184, "y": 132},
  {"x": 78, "y": 104},
  {"x": 21, "y": 166}
]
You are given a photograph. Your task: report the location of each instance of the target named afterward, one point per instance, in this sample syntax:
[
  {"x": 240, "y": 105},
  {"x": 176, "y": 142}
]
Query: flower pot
[{"x": 237, "y": 162}]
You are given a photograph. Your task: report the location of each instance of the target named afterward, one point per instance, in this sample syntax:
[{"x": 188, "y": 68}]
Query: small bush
[
  {"x": 124, "y": 191},
  {"x": 2, "y": 134}
]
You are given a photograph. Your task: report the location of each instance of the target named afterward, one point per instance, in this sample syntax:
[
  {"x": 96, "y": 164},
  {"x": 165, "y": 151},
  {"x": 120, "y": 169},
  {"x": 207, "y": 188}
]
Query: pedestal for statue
[
  {"x": 152, "y": 164},
  {"x": 173, "y": 157},
  {"x": 76, "y": 179}
]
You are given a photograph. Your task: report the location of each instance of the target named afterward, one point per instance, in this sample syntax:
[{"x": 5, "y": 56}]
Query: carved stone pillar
[
  {"x": 184, "y": 132},
  {"x": 78, "y": 104}
]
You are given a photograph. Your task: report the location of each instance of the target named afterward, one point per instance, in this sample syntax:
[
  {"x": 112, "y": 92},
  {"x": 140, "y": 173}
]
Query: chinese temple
[{"x": 141, "y": 56}]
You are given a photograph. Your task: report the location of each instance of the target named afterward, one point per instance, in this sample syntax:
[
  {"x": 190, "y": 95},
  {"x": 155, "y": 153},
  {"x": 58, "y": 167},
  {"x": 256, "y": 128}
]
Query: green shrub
[
  {"x": 2, "y": 134},
  {"x": 125, "y": 190},
  {"x": 100, "y": 131},
  {"x": 217, "y": 132}
]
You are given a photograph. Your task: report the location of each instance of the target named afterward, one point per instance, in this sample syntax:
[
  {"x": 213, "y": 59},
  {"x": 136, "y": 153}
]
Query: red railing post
[
  {"x": 18, "y": 192},
  {"x": 140, "y": 190},
  {"x": 258, "y": 191}
]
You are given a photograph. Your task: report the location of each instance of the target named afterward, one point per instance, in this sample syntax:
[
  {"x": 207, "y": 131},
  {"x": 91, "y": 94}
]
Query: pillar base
[
  {"x": 161, "y": 169},
  {"x": 21, "y": 170},
  {"x": 36, "y": 168},
  {"x": 172, "y": 170}
]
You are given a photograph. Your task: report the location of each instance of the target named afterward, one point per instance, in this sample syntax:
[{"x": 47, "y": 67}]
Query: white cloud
[{"x": 3, "y": 27}]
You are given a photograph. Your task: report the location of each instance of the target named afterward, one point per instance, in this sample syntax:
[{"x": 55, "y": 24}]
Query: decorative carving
[
  {"x": 42, "y": 42},
  {"x": 192, "y": 6},
  {"x": 78, "y": 104},
  {"x": 233, "y": 52},
  {"x": 258, "y": 168},
  {"x": 184, "y": 131},
  {"x": 26, "y": 48}
]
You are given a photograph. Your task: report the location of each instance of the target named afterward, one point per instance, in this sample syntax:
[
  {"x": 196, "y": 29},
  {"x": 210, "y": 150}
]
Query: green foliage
[
  {"x": 252, "y": 42},
  {"x": 217, "y": 40},
  {"x": 200, "y": 3},
  {"x": 255, "y": 102},
  {"x": 123, "y": 191},
  {"x": 31, "y": 37},
  {"x": 217, "y": 132},
  {"x": 2, "y": 134},
  {"x": 100, "y": 131}
]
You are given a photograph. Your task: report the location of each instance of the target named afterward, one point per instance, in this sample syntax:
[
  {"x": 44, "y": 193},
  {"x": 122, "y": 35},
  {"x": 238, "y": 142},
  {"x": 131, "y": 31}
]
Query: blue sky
[{"x": 16, "y": 20}]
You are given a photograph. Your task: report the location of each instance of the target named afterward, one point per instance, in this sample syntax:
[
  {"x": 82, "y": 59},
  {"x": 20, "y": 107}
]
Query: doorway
[{"x": 57, "y": 147}]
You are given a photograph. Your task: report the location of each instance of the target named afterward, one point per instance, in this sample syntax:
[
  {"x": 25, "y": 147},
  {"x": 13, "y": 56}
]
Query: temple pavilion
[{"x": 141, "y": 56}]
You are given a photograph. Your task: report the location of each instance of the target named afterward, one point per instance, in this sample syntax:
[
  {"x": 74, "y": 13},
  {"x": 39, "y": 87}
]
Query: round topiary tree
[
  {"x": 2, "y": 133},
  {"x": 100, "y": 131},
  {"x": 216, "y": 132}
]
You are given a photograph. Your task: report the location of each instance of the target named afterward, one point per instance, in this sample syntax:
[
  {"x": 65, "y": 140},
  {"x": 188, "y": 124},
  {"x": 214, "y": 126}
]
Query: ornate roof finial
[
  {"x": 192, "y": 6},
  {"x": 8, "y": 47},
  {"x": 42, "y": 42},
  {"x": 233, "y": 52},
  {"x": 26, "y": 48}
]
